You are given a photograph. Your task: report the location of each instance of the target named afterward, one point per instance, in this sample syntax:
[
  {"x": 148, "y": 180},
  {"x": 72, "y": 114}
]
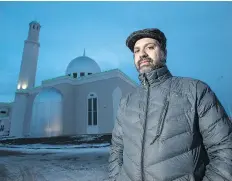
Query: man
[{"x": 170, "y": 128}]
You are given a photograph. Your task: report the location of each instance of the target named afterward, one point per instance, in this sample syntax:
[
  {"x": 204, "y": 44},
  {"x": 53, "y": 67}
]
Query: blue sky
[{"x": 199, "y": 38}]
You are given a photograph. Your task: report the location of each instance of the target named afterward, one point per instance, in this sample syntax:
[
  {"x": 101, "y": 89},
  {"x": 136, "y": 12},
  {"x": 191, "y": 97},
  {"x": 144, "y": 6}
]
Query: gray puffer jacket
[{"x": 171, "y": 129}]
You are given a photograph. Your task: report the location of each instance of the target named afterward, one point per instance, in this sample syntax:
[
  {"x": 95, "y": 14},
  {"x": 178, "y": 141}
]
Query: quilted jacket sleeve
[
  {"x": 216, "y": 130},
  {"x": 116, "y": 149}
]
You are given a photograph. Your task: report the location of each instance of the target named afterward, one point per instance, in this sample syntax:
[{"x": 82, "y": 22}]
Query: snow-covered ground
[
  {"x": 54, "y": 163},
  {"x": 33, "y": 148}
]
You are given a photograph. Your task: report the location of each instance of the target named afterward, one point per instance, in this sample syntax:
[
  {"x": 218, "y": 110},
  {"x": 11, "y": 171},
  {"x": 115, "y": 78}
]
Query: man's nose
[{"x": 143, "y": 53}]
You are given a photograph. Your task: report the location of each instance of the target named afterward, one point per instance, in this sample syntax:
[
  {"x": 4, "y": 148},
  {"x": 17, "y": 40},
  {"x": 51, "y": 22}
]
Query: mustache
[{"x": 144, "y": 59}]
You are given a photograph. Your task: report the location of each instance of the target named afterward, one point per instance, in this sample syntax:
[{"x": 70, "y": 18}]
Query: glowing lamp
[{"x": 24, "y": 86}]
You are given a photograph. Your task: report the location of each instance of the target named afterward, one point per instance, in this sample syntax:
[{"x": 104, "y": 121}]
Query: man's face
[{"x": 147, "y": 55}]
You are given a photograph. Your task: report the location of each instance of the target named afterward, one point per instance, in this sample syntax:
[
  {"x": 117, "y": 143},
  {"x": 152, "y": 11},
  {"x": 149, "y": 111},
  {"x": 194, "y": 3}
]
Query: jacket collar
[{"x": 154, "y": 77}]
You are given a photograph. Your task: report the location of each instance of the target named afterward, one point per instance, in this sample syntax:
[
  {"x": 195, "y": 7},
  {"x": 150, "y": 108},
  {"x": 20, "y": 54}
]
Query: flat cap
[{"x": 146, "y": 33}]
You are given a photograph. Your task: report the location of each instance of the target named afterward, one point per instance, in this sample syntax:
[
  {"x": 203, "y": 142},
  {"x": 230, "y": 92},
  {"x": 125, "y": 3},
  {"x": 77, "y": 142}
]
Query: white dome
[{"x": 82, "y": 64}]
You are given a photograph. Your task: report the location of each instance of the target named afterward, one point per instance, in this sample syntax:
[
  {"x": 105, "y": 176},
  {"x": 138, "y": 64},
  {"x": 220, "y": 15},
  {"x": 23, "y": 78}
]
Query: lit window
[{"x": 24, "y": 86}]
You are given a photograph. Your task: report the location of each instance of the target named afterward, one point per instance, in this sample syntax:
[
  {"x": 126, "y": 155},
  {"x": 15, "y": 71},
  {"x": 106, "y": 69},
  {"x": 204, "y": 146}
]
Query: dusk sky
[{"x": 199, "y": 39}]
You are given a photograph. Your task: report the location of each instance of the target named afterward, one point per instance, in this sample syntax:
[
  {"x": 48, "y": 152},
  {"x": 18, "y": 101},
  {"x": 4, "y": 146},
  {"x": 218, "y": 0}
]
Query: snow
[
  {"x": 87, "y": 137},
  {"x": 55, "y": 162},
  {"x": 7, "y": 138},
  {"x": 48, "y": 146},
  {"x": 45, "y": 148}
]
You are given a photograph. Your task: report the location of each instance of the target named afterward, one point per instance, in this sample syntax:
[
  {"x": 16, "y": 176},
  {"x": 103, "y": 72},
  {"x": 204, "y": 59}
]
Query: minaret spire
[
  {"x": 84, "y": 52},
  {"x": 30, "y": 55},
  {"x": 26, "y": 81}
]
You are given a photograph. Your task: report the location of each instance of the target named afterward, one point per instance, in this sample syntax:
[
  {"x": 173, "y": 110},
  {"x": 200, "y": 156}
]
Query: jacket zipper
[
  {"x": 146, "y": 84},
  {"x": 161, "y": 122}
]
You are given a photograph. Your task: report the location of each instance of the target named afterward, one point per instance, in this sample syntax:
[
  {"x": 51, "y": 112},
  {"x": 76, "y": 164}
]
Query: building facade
[{"x": 83, "y": 101}]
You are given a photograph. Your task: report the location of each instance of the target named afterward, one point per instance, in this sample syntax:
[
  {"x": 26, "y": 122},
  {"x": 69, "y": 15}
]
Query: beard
[{"x": 151, "y": 66}]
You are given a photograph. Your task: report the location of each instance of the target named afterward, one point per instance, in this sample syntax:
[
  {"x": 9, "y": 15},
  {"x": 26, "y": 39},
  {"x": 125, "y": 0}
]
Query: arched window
[{"x": 92, "y": 109}]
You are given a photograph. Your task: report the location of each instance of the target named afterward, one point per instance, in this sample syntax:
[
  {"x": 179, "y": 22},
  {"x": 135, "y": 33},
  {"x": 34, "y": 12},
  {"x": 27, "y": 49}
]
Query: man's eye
[
  {"x": 151, "y": 48},
  {"x": 136, "y": 51}
]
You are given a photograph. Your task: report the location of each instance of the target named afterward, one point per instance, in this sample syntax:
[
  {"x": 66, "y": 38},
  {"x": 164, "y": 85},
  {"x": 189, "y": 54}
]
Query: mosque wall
[
  {"x": 75, "y": 107},
  {"x": 103, "y": 89},
  {"x": 68, "y": 108},
  {"x": 28, "y": 115},
  {"x": 17, "y": 119},
  {"x": 74, "y": 111}
]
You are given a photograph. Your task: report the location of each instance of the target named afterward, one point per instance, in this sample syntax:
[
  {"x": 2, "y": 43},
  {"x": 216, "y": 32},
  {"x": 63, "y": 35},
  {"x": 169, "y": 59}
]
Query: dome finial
[{"x": 84, "y": 52}]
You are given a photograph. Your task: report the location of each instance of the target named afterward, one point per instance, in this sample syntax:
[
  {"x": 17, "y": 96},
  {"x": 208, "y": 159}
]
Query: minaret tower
[
  {"x": 28, "y": 67},
  {"x": 26, "y": 81}
]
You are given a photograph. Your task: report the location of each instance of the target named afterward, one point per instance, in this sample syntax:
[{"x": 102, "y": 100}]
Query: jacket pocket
[{"x": 161, "y": 122}]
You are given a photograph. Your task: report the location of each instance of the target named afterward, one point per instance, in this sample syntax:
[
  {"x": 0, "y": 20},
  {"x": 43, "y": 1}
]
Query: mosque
[{"x": 82, "y": 101}]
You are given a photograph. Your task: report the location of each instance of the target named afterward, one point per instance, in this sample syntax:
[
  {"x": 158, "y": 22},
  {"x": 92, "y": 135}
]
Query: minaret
[
  {"x": 26, "y": 81},
  {"x": 28, "y": 67}
]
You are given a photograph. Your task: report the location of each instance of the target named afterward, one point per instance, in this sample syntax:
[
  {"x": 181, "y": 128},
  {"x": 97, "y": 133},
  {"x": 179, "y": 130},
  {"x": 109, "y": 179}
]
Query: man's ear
[{"x": 164, "y": 56}]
